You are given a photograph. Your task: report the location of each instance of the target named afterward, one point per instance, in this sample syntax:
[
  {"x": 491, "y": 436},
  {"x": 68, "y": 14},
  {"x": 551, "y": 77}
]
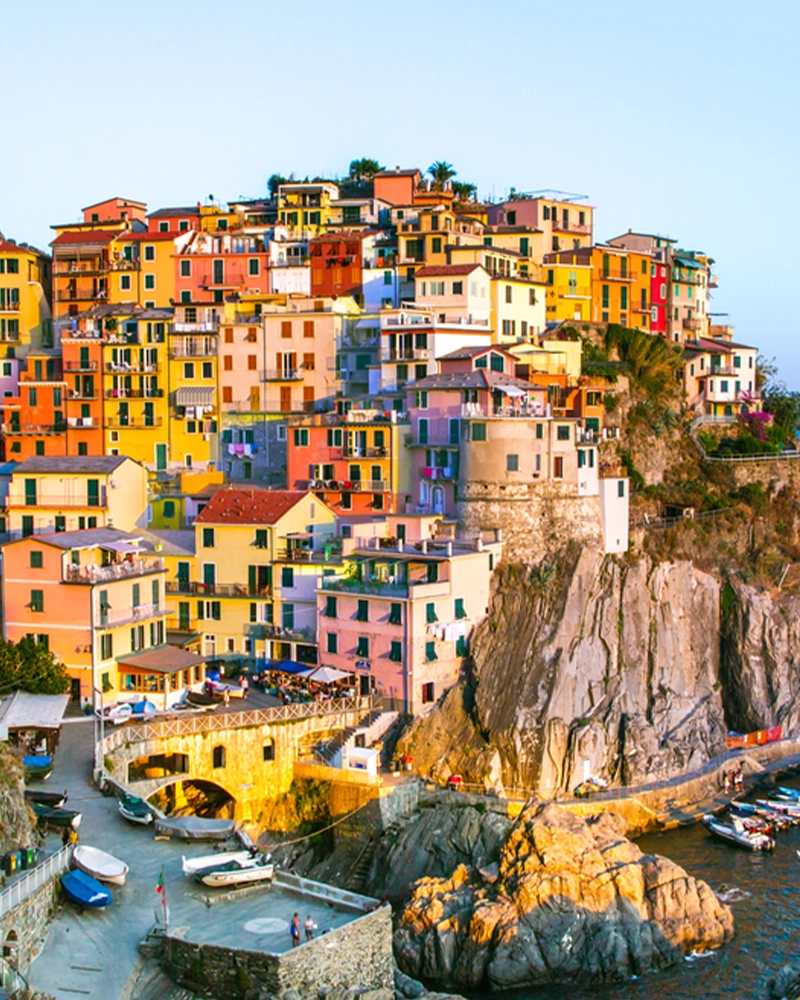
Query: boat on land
[
  {"x": 136, "y": 810},
  {"x": 202, "y": 699},
  {"x": 118, "y": 714},
  {"x": 195, "y": 827},
  {"x": 61, "y": 818},
  {"x": 736, "y": 833},
  {"x": 99, "y": 865},
  {"x": 37, "y": 767},
  {"x": 53, "y": 799},
  {"x": 85, "y": 890},
  {"x": 235, "y": 873},
  {"x": 191, "y": 866}
]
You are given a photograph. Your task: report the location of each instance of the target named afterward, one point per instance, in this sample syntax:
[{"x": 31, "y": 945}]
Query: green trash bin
[{"x": 31, "y": 852}]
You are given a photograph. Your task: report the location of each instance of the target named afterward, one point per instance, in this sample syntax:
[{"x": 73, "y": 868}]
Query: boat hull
[
  {"x": 136, "y": 811},
  {"x": 60, "y": 818},
  {"x": 99, "y": 865},
  {"x": 53, "y": 799},
  {"x": 85, "y": 891},
  {"x": 245, "y": 876},
  {"x": 195, "y": 828},
  {"x": 208, "y": 862},
  {"x": 747, "y": 841}
]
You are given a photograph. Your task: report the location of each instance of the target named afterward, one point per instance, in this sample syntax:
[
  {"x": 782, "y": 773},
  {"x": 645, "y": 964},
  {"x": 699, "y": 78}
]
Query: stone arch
[
  {"x": 201, "y": 796},
  {"x": 11, "y": 948}
]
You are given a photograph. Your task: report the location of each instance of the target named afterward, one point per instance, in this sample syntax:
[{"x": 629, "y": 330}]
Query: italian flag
[{"x": 160, "y": 884}]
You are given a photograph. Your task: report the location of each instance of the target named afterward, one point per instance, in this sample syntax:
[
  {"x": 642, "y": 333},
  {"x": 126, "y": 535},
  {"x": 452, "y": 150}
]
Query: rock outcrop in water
[
  {"x": 784, "y": 986},
  {"x": 569, "y": 901}
]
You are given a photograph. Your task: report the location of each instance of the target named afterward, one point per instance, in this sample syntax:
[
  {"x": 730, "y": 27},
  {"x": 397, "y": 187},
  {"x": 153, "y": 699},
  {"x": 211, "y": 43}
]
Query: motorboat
[
  {"x": 735, "y": 833},
  {"x": 53, "y": 799},
  {"x": 788, "y": 808},
  {"x": 84, "y": 890},
  {"x": 790, "y": 793},
  {"x": 195, "y": 827},
  {"x": 37, "y": 767},
  {"x": 235, "y": 873},
  {"x": 191, "y": 866},
  {"x": 203, "y": 699},
  {"x": 746, "y": 811},
  {"x": 136, "y": 810},
  {"x": 61, "y": 818},
  {"x": 99, "y": 865}
]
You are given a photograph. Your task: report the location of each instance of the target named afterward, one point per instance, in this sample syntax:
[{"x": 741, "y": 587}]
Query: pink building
[{"x": 401, "y": 616}]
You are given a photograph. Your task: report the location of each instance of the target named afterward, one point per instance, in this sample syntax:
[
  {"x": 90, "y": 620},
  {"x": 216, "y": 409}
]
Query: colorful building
[
  {"x": 720, "y": 377},
  {"x": 564, "y": 219},
  {"x": 401, "y": 614},
  {"x": 25, "y": 290},
  {"x": 33, "y": 419},
  {"x": 192, "y": 379}
]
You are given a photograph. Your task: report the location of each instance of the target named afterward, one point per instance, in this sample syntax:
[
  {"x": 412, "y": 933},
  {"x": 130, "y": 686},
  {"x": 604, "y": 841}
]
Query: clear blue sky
[{"x": 677, "y": 118}]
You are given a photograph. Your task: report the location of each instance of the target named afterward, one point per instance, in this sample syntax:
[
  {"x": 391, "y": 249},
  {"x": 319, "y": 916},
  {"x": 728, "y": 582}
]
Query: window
[
  {"x": 362, "y": 647},
  {"x": 562, "y": 432},
  {"x": 458, "y": 288},
  {"x": 106, "y": 646},
  {"x": 606, "y": 295},
  {"x": 496, "y": 362},
  {"x": 436, "y": 244},
  {"x": 287, "y": 576},
  {"x": 396, "y": 614},
  {"x": 286, "y": 329},
  {"x": 332, "y": 642},
  {"x": 219, "y": 756},
  {"x": 301, "y": 437},
  {"x": 512, "y": 463},
  {"x": 423, "y": 430},
  {"x": 268, "y": 750},
  {"x": 621, "y": 488},
  {"x": 509, "y": 294},
  {"x": 362, "y": 613},
  {"x": 330, "y": 607},
  {"x": 253, "y": 266},
  {"x": 208, "y": 369},
  {"x": 396, "y": 651},
  {"x": 31, "y": 397},
  {"x": 149, "y": 253},
  {"x": 459, "y": 609},
  {"x": 558, "y": 467},
  {"x": 60, "y": 523},
  {"x": 430, "y": 654},
  {"x": 623, "y": 298},
  {"x": 478, "y": 432},
  {"x": 188, "y": 370},
  {"x": 37, "y": 559},
  {"x": 208, "y": 538},
  {"x": 124, "y": 282},
  {"x": 136, "y": 596},
  {"x": 430, "y": 613},
  {"x": 149, "y": 282},
  {"x": 37, "y": 600}
]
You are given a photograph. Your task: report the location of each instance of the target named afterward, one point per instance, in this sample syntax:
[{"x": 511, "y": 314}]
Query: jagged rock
[
  {"x": 784, "y": 986},
  {"x": 575, "y": 901},
  {"x": 16, "y": 826},
  {"x": 411, "y": 988}
]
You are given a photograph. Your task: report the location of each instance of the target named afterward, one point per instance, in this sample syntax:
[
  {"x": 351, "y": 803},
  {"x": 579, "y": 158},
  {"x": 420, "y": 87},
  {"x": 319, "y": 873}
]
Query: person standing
[
  {"x": 310, "y": 927},
  {"x": 245, "y": 687},
  {"x": 294, "y": 928}
]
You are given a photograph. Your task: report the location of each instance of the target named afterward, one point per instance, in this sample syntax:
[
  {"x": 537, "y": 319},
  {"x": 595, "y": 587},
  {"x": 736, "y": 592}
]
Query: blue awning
[{"x": 293, "y": 667}]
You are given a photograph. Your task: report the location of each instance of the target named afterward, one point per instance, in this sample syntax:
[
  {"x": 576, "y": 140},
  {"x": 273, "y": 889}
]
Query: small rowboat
[
  {"x": 85, "y": 890},
  {"x": 735, "y": 833},
  {"x": 136, "y": 810},
  {"x": 37, "y": 767},
  {"x": 195, "y": 827},
  {"x": 97, "y": 864},
  {"x": 237, "y": 873},
  {"x": 208, "y": 862},
  {"x": 118, "y": 714},
  {"x": 53, "y": 799},
  {"x": 56, "y": 817}
]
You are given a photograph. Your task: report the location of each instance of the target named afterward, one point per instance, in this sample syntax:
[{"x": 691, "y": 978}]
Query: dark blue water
[{"x": 767, "y": 918}]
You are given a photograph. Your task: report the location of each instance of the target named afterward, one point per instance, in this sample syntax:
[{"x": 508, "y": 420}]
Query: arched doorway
[{"x": 194, "y": 797}]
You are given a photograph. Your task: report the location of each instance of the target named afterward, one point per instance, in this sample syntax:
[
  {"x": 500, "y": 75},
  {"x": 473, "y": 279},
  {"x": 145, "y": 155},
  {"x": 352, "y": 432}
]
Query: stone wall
[
  {"x": 358, "y": 953},
  {"x": 28, "y": 923},
  {"x": 536, "y": 520}
]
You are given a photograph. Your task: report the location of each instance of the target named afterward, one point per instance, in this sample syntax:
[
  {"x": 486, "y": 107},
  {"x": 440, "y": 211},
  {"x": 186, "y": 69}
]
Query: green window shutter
[
  {"x": 332, "y": 642},
  {"x": 253, "y": 612},
  {"x": 430, "y": 652},
  {"x": 459, "y": 611},
  {"x": 430, "y": 614},
  {"x": 154, "y": 591},
  {"x": 396, "y": 614},
  {"x": 461, "y": 646},
  {"x": 330, "y": 607},
  {"x": 396, "y": 651},
  {"x": 362, "y": 615},
  {"x": 362, "y": 649},
  {"x": 287, "y": 576}
]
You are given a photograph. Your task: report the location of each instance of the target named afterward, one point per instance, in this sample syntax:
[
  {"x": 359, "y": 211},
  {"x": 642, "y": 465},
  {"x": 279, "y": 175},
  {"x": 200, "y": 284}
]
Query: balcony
[
  {"x": 206, "y": 326},
  {"x": 58, "y": 501},
  {"x": 419, "y": 590},
  {"x": 323, "y": 556},
  {"x": 133, "y": 423},
  {"x": 14, "y": 428},
  {"x": 687, "y": 277},
  {"x": 440, "y": 473},
  {"x": 10, "y": 306},
  {"x": 532, "y": 411},
  {"x": 83, "y": 421},
  {"x": 81, "y": 266},
  {"x": 615, "y": 276},
  {"x": 123, "y": 570},
  {"x": 570, "y": 227},
  {"x": 134, "y": 394},
  {"x": 355, "y": 452},
  {"x": 282, "y": 375},
  {"x": 576, "y": 292},
  {"x": 127, "y": 367},
  {"x": 721, "y": 370},
  {"x": 80, "y": 366},
  {"x": 406, "y": 354},
  {"x": 81, "y": 295},
  {"x": 692, "y": 324},
  {"x": 194, "y": 589},
  {"x": 87, "y": 395},
  {"x": 130, "y": 616},
  {"x": 350, "y": 485},
  {"x": 192, "y": 349}
]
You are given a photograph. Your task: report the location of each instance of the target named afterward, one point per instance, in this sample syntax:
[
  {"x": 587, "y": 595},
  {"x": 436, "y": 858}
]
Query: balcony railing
[
  {"x": 355, "y": 452},
  {"x": 9, "y": 306},
  {"x": 12, "y": 428},
  {"x": 134, "y": 393},
  {"x": 530, "y": 412},
  {"x": 193, "y": 588},
  {"x": 350, "y": 485},
  {"x": 282, "y": 375},
  {"x": 206, "y": 326},
  {"x": 570, "y": 227},
  {"x": 80, "y": 366},
  {"x": 192, "y": 350},
  {"x": 83, "y": 421},
  {"x": 124, "y": 570},
  {"x": 721, "y": 370},
  {"x": 135, "y": 423},
  {"x": 81, "y": 266},
  {"x": 129, "y": 616},
  {"x": 615, "y": 276},
  {"x": 406, "y": 354},
  {"x": 686, "y": 277},
  {"x": 57, "y": 500},
  {"x": 126, "y": 367},
  {"x": 692, "y": 324}
]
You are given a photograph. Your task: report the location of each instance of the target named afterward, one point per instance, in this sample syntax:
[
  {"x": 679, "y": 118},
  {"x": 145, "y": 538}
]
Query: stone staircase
[
  {"x": 357, "y": 879},
  {"x": 153, "y": 984},
  {"x": 372, "y": 726}
]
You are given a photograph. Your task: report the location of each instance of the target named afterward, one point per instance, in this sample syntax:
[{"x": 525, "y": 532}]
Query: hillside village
[{"x": 302, "y": 431}]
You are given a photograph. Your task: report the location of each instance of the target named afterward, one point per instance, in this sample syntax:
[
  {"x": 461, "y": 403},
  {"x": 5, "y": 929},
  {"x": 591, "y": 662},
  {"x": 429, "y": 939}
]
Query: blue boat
[
  {"x": 85, "y": 890},
  {"x": 790, "y": 793},
  {"x": 37, "y": 767}
]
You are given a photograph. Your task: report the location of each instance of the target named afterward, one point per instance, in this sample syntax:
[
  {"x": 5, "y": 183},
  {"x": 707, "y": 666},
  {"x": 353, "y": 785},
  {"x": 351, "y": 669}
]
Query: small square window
[
  {"x": 512, "y": 463},
  {"x": 37, "y": 559}
]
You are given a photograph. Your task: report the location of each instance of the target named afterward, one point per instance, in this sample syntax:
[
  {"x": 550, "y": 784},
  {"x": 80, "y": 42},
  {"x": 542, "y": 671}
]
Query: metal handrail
[{"x": 31, "y": 881}]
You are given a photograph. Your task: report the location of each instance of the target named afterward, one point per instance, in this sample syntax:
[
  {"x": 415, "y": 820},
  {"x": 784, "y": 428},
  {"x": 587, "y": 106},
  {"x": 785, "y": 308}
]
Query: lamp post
[{"x": 98, "y": 744}]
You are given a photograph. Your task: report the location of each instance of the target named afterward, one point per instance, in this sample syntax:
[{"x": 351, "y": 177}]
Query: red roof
[
  {"x": 436, "y": 270},
  {"x": 258, "y": 506},
  {"x": 85, "y": 236},
  {"x": 6, "y": 247},
  {"x": 150, "y": 237}
]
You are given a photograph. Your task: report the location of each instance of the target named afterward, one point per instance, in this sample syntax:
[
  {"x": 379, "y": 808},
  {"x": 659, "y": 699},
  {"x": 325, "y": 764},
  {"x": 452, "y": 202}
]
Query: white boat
[
  {"x": 191, "y": 866},
  {"x": 119, "y": 713},
  {"x": 235, "y": 873},
  {"x": 135, "y": 810},
  {"x": 100, "y": 865},
  {"x": 736, "y": 833}
]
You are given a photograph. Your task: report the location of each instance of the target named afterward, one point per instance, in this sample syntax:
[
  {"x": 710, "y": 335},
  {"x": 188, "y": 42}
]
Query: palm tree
[
  {"x": 464, "y": 192},
  {"x": 364, "y": 170},
  {"x": 441, "y": 171}
]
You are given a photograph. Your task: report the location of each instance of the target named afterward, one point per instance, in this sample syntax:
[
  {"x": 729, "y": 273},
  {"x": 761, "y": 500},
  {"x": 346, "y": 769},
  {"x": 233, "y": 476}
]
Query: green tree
[
  {"x": 364, "y": 170},
  {"x": 441, "y": 172},
  {"x": 30, "y": 666},
  {"x": 653, "y": 364},
  {"x": 274, "y": 183},
  {"x": 766, "y": 372},
  {"x": 465, "y": 192},
  {"x": 785, "y": 409}
]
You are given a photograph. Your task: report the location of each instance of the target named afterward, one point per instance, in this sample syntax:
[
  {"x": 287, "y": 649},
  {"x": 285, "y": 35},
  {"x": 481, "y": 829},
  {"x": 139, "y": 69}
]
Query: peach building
[{"x": 401, "y": 616}]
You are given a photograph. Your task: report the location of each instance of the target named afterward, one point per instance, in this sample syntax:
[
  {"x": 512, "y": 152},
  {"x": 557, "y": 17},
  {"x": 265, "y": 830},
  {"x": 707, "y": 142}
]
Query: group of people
[
  {"x": 294, "y": 929},
  {"x": 733, "y": 780},
  {"x": 291, "y": 689}
]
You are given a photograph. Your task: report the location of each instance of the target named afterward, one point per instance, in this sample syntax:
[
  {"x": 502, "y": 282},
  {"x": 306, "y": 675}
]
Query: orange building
[
  {"x": 396, "y": 187},
  {"x": 34, "y": 421}
]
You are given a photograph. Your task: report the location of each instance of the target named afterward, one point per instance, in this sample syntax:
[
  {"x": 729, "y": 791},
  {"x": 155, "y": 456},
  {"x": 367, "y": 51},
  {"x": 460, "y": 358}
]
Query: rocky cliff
[
  {"x": 586, "y": 665},
  {"x": 16, "y": 827},
  {"x": 569, "y": 901}
]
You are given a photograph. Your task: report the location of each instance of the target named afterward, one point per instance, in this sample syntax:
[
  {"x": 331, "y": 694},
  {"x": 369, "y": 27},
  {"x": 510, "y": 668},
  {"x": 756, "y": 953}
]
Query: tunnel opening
[{"x": 195, "y": 797}]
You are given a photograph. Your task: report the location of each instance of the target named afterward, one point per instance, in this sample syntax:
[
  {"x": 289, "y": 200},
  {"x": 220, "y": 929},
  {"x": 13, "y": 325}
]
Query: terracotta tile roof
[
  {"x": 436, "y": 270},
  {"x": 85, "y": 236},
  {"x": 256, "y": 506},
  {"x": 174, "y": 213},
  {"x": 162, "y": 660},
  {"x": 8, "y": 246},
  {"x": 398, "y": 173}
]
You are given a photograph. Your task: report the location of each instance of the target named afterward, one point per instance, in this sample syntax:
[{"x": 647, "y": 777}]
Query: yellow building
[
  {"x": 144, "y": 268},
  {"x": 306, "y": 208},
  {"x": 193, "y": 399},
  {"x": 251, "y": 590},
  {"x": 568, "y": 292},
  {"x": 518, "y": 309},
  {"x": 215, "y": 219},
  {"x": 425, "y": 240},
  {"x": 25, "y": 288},
  {"x": 70, "y": 493}
]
